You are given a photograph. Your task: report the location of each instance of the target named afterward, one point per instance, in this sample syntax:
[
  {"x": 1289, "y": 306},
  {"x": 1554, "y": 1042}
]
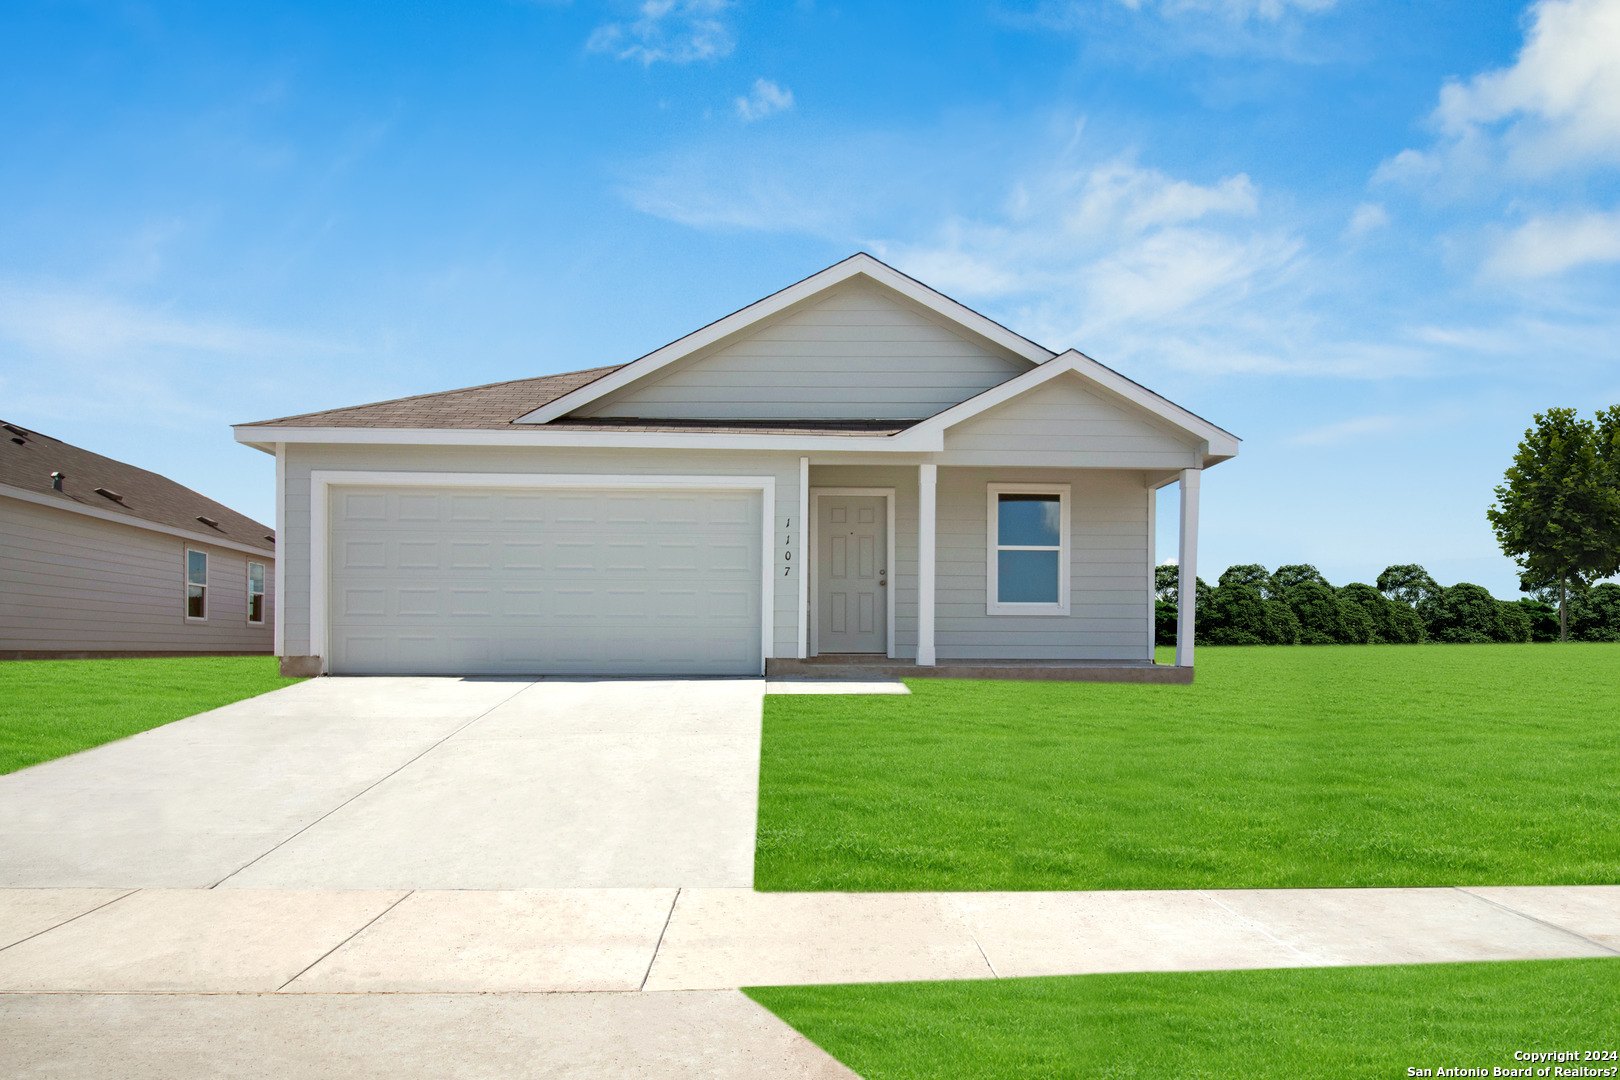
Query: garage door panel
[{"x": 569, "y": 581}]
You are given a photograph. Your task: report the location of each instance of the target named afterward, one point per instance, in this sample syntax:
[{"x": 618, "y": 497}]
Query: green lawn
[
  {"x": 1308, "y": 1022},
  {"x": 1280, "y": 767},
  {"x": 49, "y": 708}
]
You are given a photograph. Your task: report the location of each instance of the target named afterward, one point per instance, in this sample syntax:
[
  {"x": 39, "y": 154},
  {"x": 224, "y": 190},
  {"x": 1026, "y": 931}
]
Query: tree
[
  {"x": 1167, "y": 582},
  {"x": 1237, "y": 614},
  {"x": 1543, "y": 618},
  {"x": 1596, "y": 614},
  {"x": 1392, "y": 623},
  {"x": 1557, "y": 512},
  {"x": 1253, "y": 575},
  {"x": 1408, "y": 583},
  {"x": 1286, "y": 577},
  {"x": 1469, "y": 613},
  {"x": 1326, "y": 620}
]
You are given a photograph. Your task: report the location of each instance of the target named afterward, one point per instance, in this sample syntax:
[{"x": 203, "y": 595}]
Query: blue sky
[{"x": 1371, "y": 238}]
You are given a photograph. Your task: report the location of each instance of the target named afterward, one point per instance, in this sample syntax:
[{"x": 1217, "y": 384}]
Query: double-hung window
[
  {"x": 256, "y": 593},
  {"x": 196, "y": 584},
  {"x": 1028, "y": 548}
]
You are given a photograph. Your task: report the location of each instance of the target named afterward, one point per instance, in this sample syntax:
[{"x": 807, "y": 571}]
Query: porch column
[
  {"x": 1187, "y": 587},
  {"x": 927, "y": 481}
]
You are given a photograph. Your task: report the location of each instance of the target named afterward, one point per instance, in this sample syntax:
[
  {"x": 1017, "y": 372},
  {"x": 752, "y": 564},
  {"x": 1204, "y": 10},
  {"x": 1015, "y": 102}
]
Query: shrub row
[{"x": 1296, "y": 605}]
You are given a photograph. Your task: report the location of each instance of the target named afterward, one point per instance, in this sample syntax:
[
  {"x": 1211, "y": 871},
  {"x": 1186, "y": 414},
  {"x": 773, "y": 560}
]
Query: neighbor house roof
[
  {"x": 113, "y": 489},
  {"x": 493, "y": 405}
]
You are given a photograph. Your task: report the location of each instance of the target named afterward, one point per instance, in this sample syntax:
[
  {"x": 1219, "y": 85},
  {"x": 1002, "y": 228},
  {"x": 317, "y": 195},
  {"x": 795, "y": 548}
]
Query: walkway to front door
[{"x": 851, "y": 573}]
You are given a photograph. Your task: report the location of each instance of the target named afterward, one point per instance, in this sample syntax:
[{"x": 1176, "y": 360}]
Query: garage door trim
[{"x": 321, "y": 481}]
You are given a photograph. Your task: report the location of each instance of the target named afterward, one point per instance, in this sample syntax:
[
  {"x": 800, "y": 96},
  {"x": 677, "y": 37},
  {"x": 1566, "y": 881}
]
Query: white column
[
  {"x": 927, "y": 482},
  {"x": 801, "y": 556},
  {"x": 279, "y": 629},
  {"x": 1152, "y": 568},
  {"x": 1188, "y": 557}
]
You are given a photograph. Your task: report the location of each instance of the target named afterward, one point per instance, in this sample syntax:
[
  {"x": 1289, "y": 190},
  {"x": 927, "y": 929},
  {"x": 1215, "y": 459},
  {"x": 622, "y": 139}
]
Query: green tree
[
  {"x": 1236, "y": 614},
  {"x": 1324, "y": 619},
  {"x": 1557, "y": 512},
  {"x": 1595, "y": 614},
  {"x": 1253, "y": 575},
  {"x": 1167, "y": 582},
  {"x": 1286, "y": 577},
  {"x": 1469, "y": 613},
  {"x": 1408, "y": 583},
  {"x": 1392, "y": 622}
]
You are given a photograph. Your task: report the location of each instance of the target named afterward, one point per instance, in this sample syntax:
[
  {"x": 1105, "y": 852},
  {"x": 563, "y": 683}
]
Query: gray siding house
[
  {"x": 100, "y": 558},
  {"x": 854, "y": 469}
]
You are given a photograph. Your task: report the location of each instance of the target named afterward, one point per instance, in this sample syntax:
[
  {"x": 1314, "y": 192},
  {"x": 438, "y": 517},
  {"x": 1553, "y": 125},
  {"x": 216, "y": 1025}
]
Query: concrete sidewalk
[{"x": 89, "y": 941}]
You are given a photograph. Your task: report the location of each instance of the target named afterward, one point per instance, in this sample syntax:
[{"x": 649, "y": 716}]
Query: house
[
  {"x": 100, "y": 558},
  {"x": 855, "y": 467}
]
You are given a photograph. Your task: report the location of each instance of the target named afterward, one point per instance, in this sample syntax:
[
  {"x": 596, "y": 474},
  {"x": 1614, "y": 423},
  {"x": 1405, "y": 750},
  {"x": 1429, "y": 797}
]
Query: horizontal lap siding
[
  {"x": 301, "y": 460},
  {"x": 1108, "y": 561},
  {"x": 70, "y": 582},
  {"x": 856, "y": 352},
  {"x": 1107, "y": 568},
  {"x": 1053, "y": 423}
]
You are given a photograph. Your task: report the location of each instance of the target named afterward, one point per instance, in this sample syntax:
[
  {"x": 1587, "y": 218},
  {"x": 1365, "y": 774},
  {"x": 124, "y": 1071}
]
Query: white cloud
[
  {"x": 1346, "y": 430},
  {"x": 763, "y": 100},
  {"x": 1552, "y": 244},
  {"x": 677, "y": 31},
  {"x": 1366, "y": 218},
  {"x": 67, "y": 323},
  {"x": 1557, "y": 107},
  {"x": 1269, "y": 10}
]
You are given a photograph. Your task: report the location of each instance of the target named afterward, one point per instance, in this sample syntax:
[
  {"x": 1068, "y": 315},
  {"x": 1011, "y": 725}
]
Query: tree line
[{"x": 1296, "y": 605}]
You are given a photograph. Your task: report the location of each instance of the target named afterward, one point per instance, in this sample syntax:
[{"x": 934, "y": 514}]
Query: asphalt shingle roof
[{"x": 27, "y": 459}]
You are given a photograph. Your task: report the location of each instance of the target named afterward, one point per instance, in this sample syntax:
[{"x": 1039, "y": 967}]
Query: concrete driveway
[{"x": 408, "y": 783}]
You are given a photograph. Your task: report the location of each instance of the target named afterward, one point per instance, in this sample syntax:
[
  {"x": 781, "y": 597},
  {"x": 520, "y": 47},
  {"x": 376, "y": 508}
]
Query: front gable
[
  {"x": 1066, "y": 416},
  {"x": 857, "y": 350}
]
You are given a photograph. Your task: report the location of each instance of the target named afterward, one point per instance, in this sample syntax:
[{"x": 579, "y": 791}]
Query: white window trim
[
  {"x": 186, "y": 583},
  {"x": 263, "y": 572},
  {"x": 992, "y": 606},
  {"x": 321, "y": 481}
]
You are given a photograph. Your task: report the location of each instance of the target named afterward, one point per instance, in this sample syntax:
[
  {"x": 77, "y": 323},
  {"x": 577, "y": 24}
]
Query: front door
[{"x": 852, "y": 574}]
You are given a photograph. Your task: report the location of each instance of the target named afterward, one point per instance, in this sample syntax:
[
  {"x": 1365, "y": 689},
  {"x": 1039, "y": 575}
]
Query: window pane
[
  {"x": 256, "y": 577},
  {"x": 1027, "y": 577},
  {"x": 256, "y": 608},
  {"x": 1029, "y": 520},
  {"x": 194, "y": 602},
  {"x": 197, "y": 567}
]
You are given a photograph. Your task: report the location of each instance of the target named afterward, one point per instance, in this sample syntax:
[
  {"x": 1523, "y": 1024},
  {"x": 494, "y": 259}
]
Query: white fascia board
[
  {"x": 1221, "y": 444},
  {"x": 855, "y": 265},
  {"x": 544, "y": 436},
  {"x": 24, "y": 495}
]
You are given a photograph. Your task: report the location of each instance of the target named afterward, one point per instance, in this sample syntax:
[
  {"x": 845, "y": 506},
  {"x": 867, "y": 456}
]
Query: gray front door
[{"x": 852, "y": 575}]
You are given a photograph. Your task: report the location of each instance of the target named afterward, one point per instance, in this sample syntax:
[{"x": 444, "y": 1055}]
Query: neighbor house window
[
  {"x": 196, "y": 584},
  {"x": 1028, "y": 548},
  {"x": 256, "y": 593}
]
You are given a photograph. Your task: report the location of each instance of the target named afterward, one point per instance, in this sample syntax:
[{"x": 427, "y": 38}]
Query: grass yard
[
  {"x": 1281, "y": 767},
  {"x": 49, "y": 708},
  {"x": 1306, "y": 1022}
]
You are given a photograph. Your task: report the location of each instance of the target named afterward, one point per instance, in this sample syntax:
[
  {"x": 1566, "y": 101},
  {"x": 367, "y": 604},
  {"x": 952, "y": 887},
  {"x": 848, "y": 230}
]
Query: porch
[{"x": 975, "y": 570}]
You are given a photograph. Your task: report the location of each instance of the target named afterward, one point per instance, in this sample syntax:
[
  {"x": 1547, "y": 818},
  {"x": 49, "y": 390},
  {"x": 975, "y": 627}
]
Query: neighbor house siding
[
  {"x": 856, "y": 351},
  {"x": 1108, "y": 578},
  {"x": 1053, "y": 423},
  {"x": 303, "y": 459},
  {"x": 72, "y": 583}
]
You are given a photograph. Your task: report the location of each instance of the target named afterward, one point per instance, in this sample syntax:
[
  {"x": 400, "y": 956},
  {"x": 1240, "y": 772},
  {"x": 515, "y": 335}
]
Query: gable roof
[
  {"x": 493, "y": 405},
  {"x": 1221, "y": 444},
  {"x": 28, "y": 458},
  {"x": 860, "y": 264}
]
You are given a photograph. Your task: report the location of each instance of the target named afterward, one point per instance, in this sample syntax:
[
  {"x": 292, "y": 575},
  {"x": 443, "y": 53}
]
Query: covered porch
[{"x": 984, "y": 571}]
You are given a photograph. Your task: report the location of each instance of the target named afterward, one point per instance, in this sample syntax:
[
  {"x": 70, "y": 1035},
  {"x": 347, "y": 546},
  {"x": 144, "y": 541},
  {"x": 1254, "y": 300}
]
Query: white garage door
[{"x": 567, "y": 581}]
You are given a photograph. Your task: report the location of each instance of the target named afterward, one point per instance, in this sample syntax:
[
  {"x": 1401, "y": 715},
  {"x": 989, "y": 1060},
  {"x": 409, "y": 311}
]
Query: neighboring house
[
  {"x": 856, "y": 465},
  {"x": 99, "y": 558}
]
